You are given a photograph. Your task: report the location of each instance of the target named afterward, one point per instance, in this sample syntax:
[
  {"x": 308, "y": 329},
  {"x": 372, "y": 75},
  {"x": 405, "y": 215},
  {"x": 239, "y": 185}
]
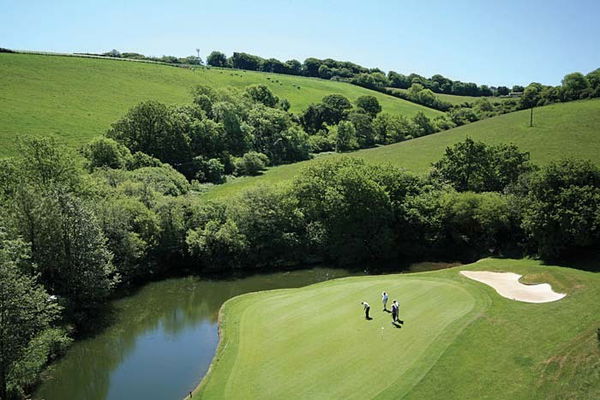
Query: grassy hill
[
  {"x": 560, "y": 130},
  {"x": 457, "y": 100},
  {"x": 78, "y": 98},
  {"x": 460, "y": 339}
]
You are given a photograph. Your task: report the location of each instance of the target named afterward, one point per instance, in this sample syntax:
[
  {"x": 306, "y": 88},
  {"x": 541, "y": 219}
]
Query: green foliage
[
  {"x": 217, "y": 244},
  {"x": 392, "y": 128},
  {"x": 474, "y": 166},
  {"x": 336, "y": 108},
  {"x": 369, "y": 104},
  {"x": 216, "y": 59},
  {"x": 365, "y": 135},
  {"x": 272, "y": 224},
  {"x": 132, "y": 231},
  {"x": 261, "y": 94},
  {"x": 164, "y": 179},
  {"x": 423, "y": 125},
  {"x": 562, "y": 208},
  {"x": 575, "y": 86},
  {"x": 345, "y": 137},
  {"x": 106, "y": 153},
  {"x": 25, "y": 313},
  {"x": 251, "y": 163},
  {"x": 347, "y": 212},
  {"x": 154, "y": 129}
]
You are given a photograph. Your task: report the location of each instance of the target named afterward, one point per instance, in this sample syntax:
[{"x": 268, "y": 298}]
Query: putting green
[
  {"x": 315, "y": 343},
  {"x": 460, "y": 339}
]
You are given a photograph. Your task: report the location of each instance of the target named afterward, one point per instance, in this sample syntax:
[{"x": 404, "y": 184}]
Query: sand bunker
[{"x": 507, "y": 285}]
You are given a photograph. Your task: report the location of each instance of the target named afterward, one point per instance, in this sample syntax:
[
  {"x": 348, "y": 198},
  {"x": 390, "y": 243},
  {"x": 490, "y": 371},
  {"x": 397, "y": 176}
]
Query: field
[
  {"x": 560, "y": 130},
  {"x": 460, "y": 339},
  {"x": 457, "y": 100},
  {"x": 75, "y": 99}
]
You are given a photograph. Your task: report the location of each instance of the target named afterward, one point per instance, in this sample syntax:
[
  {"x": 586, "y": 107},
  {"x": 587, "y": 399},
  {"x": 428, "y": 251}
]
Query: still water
[{"x": 162, "y": 340}]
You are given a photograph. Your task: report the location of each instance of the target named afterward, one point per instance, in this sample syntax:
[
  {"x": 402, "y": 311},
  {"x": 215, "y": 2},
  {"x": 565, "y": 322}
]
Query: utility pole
[
  {"x": 531, "y": 118},
  {"x": 198, "y": 51}
]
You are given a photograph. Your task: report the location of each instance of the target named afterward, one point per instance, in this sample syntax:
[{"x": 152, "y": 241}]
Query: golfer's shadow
[{"x": 398, "y": 324}]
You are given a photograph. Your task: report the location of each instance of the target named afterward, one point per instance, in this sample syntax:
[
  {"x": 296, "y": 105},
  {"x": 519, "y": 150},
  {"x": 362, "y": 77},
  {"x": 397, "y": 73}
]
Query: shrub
[{"x": 251, "y": 163}]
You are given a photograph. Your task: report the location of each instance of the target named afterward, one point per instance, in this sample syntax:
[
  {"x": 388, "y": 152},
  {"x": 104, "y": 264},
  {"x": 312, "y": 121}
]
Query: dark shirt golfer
[
  {"x": 367, "y": 308},
  {"x": 395, "y": 311}
]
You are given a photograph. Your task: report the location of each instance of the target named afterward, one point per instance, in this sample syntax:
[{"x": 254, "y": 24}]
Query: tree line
[
  {"x": 72, "y": 232},
  {"x": 235, "y": 132}
]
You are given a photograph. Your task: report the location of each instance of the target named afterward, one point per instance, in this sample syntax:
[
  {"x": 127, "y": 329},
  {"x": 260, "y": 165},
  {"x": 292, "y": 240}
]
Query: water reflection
[{"x": 162, "y": 340}]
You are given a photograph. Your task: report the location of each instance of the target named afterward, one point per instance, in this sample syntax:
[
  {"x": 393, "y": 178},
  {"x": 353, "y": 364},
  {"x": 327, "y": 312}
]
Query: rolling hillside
[
  {"x": 560, "y": 130},
  {"x": 78, "y": 98},
  {"x": 457, "y": 100},
  {"x": 459, "y": 340}
]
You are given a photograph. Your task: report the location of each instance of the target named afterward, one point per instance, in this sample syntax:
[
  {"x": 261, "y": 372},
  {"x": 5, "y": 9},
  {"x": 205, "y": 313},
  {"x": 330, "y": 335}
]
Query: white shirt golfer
[{"x": 384, "y": 300}]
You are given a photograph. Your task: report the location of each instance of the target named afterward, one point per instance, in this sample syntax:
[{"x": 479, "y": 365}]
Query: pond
[{"x": 162, "y": 340}]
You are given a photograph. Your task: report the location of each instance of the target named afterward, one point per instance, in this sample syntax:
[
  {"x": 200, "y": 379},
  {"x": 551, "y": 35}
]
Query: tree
[
  {"x": 348, "y": 214},
  {"x": 217, "y": 244},
  {"x": 311, "y": 67},
  {"x": 103, "y": 152},
  {"x": 261, "y": 94},
  {"x": 531, "y": 95},
  {"x": 272, "y": 224},
  {"x": 132, "y": 232},
  {"x": 216, "y": 59},
  {"x": 575, "y": 86},
  {"x": 398, "y": 80},
  {"x": 594, "y": 79},
  {"x": 562, "y": 208},
  {"x": 25, "y": 309},
  {"x": 369, "y": 104},
  {"x": 364, "y": 128},
  {"x": 345, "y": 137},
  {"x": 246, "y": 61},
  {"x": 154, "y": 129},
  {"x": 423, "y": 125},
  {"x": 502, "y": 91},
  {"x": 474, "y": 166},
  {"x": 335, "y": 108},
  {"x": 276, "y": 136},
  {"x": 251, "y": 163},
  {"x": 293, "y": 67},
  {"x": 391, "y": 128}
]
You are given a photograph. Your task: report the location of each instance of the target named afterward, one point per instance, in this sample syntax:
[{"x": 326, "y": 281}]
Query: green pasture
[
  {"x": 459, "y": 340},
  {"x": 75, "y": 99},
  {"x": 560, "y": 130},
  {"x": 458, "y": 100}
]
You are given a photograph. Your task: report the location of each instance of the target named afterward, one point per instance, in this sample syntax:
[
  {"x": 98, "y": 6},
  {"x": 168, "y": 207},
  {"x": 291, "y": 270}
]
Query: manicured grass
[
  {"x": 460, "y": 340},
  {"x": 560, "y": 130},
  {"x": 75, "y": 99}
]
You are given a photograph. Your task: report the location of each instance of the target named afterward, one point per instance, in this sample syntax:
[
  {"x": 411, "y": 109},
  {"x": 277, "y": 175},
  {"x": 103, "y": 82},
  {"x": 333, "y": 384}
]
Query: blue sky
[{"x": 488, "y": 42}]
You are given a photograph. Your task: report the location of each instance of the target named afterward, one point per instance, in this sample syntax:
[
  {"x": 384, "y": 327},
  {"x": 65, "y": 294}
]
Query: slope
[
  {"x": 560, "y": 130},
  {"x": 77, "y": 98}
]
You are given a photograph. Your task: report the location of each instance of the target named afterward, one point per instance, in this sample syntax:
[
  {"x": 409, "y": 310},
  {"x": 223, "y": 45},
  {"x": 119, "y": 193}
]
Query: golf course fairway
[{"x": 460, "y": 339}]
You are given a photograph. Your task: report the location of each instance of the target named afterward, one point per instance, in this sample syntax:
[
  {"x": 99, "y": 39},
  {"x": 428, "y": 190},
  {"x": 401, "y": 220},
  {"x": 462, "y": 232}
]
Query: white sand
[{"x": 507, "y": 285}]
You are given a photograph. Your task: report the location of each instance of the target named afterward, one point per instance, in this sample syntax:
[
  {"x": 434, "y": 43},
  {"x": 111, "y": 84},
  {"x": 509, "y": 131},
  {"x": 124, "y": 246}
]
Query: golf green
[{"x": 314, "y": 342}]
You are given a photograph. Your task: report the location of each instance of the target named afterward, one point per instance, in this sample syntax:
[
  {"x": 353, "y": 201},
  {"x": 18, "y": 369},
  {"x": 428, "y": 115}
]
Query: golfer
[
  {"x": 367, "y": 308},
  {"x": 395, "y": 310},
  {"x": 384, "y": 300}
]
